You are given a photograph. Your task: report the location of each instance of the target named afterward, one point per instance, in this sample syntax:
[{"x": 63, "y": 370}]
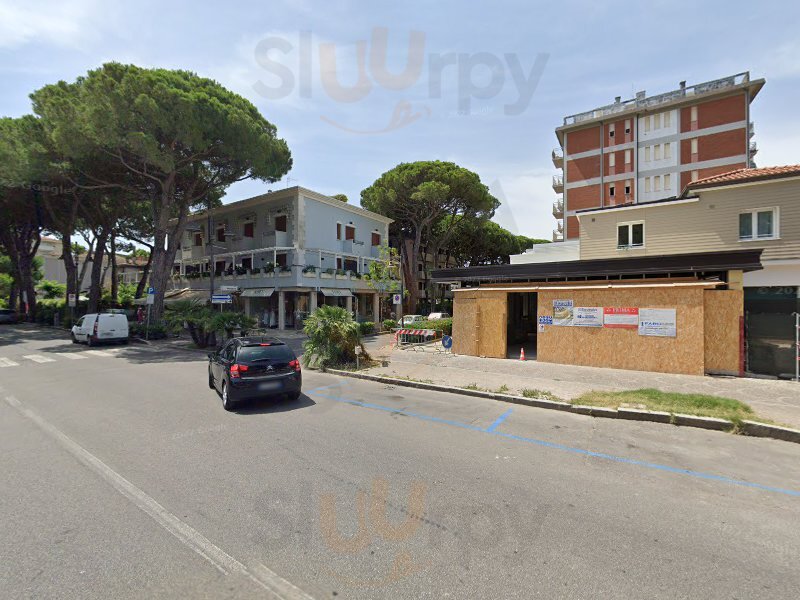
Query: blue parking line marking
[
  {"x": 562, "y": 447},
  {"x": 499, "y": 421}
]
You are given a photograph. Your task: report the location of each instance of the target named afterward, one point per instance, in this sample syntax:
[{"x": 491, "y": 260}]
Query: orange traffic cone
[{"x": 522, "y": 353}]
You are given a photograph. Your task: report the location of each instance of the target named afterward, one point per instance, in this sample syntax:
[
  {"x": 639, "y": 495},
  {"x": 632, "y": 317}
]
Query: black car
[
  {"x": 8, "y": 316},
  {"x": 254, "y": 367}
]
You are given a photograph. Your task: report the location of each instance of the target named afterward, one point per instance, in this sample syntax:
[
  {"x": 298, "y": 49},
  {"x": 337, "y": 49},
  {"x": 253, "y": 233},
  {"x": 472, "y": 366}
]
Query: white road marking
[
  {"x": 105, "y": 353},
  {"x": 38, "y": 358},
  {"x": 7, "y": 362},
  {"x": 277, "y": 586},
  {"x": 71, "y": 355}
]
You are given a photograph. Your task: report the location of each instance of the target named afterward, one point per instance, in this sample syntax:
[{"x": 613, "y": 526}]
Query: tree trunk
[
  {"x": 145, "y": 276},
  {"x": 114, "y": 281},
  {"x": 69, "y": 265},
  {"x": 410, "y": 262},
  {"x": 95, "y": 286}
]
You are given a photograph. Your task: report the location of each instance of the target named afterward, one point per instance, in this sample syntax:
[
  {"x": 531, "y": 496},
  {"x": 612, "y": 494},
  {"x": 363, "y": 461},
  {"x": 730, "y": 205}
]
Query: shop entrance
[{"x": 521, "y": 327}]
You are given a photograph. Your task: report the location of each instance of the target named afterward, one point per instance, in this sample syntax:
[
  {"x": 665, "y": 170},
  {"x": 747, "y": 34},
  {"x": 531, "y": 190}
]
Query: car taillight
[
  {"x": 295, "y": 364},
  {"x": 237, "y": 369}
]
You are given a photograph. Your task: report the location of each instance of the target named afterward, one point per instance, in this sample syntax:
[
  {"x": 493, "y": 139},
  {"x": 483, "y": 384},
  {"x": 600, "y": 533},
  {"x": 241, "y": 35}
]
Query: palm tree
[{"x": 333, "y": 335}]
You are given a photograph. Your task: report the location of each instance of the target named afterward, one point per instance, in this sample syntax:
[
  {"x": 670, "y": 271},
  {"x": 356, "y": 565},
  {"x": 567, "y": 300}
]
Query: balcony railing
[
  {"x": 558, "y": 183},
  {"x": 558, "y": 158},
  {"x": 752, "y": 129},
  {"x": 753, "y": 148},
  {"x": 558, "y": 208},
  {"x": 558, "y": 236},
  {"x": 642, "y": 101}
]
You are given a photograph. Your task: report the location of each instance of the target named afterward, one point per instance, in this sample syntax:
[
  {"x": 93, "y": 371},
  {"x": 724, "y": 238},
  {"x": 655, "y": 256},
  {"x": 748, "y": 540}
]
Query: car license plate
[{"x": 270, "y": 385}]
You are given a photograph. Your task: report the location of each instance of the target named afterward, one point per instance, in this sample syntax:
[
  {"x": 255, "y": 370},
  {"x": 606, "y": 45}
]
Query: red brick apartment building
[{"x": 650, "y": 147}]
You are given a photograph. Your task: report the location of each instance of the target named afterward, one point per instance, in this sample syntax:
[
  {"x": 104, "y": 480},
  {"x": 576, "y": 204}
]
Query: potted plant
[
  {"x": 240, "y": 270},
  {"x": 309, "y": 269}
]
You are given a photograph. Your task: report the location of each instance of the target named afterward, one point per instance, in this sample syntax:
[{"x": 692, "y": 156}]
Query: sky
[{"x": 357, "y": 87}]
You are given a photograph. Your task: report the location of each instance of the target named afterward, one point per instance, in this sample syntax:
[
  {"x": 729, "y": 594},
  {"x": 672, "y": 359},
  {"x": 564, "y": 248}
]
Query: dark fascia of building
[{"x": 705, "y": 264}]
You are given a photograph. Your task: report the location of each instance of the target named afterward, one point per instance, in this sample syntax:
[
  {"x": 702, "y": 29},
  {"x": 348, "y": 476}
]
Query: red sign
[{"x": 620, "y": 317}]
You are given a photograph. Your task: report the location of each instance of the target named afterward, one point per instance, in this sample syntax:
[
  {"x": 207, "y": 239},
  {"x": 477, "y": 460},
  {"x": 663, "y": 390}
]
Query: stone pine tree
[{"x": 182, "y": 139}]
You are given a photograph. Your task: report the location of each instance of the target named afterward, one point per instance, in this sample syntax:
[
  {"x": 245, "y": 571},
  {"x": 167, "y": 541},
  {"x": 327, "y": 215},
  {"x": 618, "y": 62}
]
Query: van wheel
[
  {"x": 73, "y": 338},
  {"x": 89, "y": 341},
  {"x": 227, "y": 404}
]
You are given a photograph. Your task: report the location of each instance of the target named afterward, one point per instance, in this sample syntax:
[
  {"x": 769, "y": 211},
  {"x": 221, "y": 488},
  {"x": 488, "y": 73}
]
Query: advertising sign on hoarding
[
  {"x": 563, "y": 312},
  {"x": 588, "y": 316},
  {"x": 621, "y": 317},
  {"x": 545, "y": 320},
  {"x": 659, "y": 322}
]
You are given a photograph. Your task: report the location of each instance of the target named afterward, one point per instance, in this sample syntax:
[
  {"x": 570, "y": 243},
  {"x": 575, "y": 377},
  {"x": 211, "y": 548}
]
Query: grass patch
[
  {"x": 700, "y": 405},
  {"x": 502, "y": 389},
  {"x": 543, "y": 394},
  {"x": 471, "y": 386}
]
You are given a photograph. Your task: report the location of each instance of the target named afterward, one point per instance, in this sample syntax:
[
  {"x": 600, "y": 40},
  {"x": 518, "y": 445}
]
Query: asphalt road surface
[{"x": 123, "y": 477}]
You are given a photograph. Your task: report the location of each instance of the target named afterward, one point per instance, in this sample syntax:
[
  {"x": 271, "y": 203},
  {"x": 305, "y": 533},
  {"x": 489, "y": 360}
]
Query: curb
[{"x": 748, "y": 428}]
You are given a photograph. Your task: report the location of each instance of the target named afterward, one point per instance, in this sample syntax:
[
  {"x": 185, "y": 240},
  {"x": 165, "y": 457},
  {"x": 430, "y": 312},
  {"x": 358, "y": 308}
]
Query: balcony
[
  {"x": 352, "y": 246},
  {"x": 752, "y": 129},
  {"x": 558, "y": 158},
  {"x": 558, "y": 208},
  {"x": 558, "y": 236},
  {"x": 558, "y": 184},
  {"x": 277, "y": 239},
  {"x": 753, "y": 149}
]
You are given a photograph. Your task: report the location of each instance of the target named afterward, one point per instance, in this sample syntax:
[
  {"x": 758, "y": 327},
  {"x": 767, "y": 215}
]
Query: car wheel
[
  {"x": 227, "y": 404},
  {"x": 210, "y": 380},
  {"x": 293, "y": 395}
]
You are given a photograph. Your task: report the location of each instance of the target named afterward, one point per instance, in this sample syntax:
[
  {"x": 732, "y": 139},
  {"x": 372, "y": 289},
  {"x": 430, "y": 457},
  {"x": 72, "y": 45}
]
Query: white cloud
[{"x": 48, "y": 22}]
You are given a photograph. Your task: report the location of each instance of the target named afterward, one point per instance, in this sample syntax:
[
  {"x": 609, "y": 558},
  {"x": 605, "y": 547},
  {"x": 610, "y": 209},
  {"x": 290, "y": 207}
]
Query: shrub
[
  {"x": 445, "y": 326},
  {"x": 389, "y": 324},
  {"x": 366, "y": 328},
  {"x": 156, "y": 332},
  {"x": 333, "y": 335},
  {"x": 52, "y": 289}
]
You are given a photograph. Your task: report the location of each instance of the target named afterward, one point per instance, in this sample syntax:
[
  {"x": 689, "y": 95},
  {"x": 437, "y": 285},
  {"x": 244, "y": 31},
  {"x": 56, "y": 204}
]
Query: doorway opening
[{"x": 521, "y": 328}]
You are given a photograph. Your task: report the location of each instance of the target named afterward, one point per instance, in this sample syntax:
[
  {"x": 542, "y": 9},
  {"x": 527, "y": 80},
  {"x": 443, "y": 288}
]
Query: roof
[
  {"x": 609, "y": 285},
  {"x": 745, "y": 176},
  {"x": 745, "y": 260},
  {"x": 257, "y": 340}
]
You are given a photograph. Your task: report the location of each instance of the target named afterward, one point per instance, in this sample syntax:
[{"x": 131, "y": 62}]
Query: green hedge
[
  {"x": 389, "y": 324},
  {"x": 443, "y": 325},
  {"x": 157, "y": 332},
  {"x": 366, "y": 328}
]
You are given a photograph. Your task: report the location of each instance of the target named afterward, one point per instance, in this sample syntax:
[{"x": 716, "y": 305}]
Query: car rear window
[
  {"x": 280, "y": 352},
  {"x": 6, "y": 311}
]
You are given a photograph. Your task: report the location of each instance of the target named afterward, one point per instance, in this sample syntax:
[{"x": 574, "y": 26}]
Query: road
[{"x": 123, "y": 477}]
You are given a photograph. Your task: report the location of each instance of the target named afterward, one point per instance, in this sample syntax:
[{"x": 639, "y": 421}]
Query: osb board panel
[
  {"x": 625, "y": 348},
  {"x": 723, "y": 311},
  {"x": 464, "y": 324},
  {"x": 492, "y": 327}
]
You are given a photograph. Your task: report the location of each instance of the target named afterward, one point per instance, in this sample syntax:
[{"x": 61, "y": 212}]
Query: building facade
[
  {"x": 651, "y": 147},
  {"x": 281, "y": 254}
]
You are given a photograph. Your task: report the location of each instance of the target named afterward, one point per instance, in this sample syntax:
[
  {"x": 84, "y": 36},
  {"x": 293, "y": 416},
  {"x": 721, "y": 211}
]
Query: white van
[{"x": 95, "y": 328}]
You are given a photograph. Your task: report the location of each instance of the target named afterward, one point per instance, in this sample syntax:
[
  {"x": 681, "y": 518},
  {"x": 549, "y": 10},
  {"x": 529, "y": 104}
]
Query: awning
[
  {"x": 615, "y": 285},
  {"x": 336, "y": 292},
  {"x": 176, "y": 295},
  {"x": 258, "y": 292}
]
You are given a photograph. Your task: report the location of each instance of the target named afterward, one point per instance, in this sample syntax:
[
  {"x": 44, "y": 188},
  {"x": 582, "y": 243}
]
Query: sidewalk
[{"x": 771, "y": 399}]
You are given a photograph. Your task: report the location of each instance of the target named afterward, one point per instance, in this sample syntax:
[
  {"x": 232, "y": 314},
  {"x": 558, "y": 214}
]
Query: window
[
  {"x": 280, "y": 223},
  {"x": 338, "y": 231},
  {"x": 198, "y": 239},
  {"x": 657, "y": 183},
  {"x": 280, "y": 259},
  {"x": 249, "y": 229},
  {"x": 657, "y": 152},
  {"x": 219, "y": 267},
  {"x": 627, "y": 187},
  {"x": 339, "y": 262},
  {"x": 759, "y": 224},
  {"x": 612, "y": 159},
  {"x": 693, "y": 114},
  {"x": 220, "y": 234},
  {"x": 647, "y": 184},
  {"x": 630, "y": 235},
  {"x": 656, "y": 121},
  {"x": 647, "y": 124},
  {"x": 421, "y": 286},
  {"x": 667, "y": 119},
  {"x": 667, "y": 150},
  {"x": 693, "y": 145},
  {"x": 627, "y": 157},
  {"x": 247, "y": 263},
  {"x": 611, "y": 190},
  {"x": 627, "y": 126},
  {"x": 349, "y": 232},
  {"x": 667, "y": 181},
  {"x": 647, "y": 153},
  {"x": 611, "y": 130},
  {"x": 376, "y": 238},
  {"x": 695, "y": 175},
  {"x": 351, "y": 265}
]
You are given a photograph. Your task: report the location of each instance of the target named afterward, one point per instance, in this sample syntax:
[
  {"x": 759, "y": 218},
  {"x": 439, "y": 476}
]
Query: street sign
[
  {"x": 221, "y": 299},
  {"x": 447, "y": 342},
  {"x": 72, "y": 300},
  {"x": 397, "y": 299},
  {"x": 358, "y": 349},
  {"x": 229, "y": 288},
  {"x": 151, "y": 291},
  {"x": 151, "y": 299}
]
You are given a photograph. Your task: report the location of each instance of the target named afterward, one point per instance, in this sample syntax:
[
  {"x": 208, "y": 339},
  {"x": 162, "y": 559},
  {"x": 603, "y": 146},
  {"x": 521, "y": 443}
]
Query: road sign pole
[{"x": 147, "y": 325}]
